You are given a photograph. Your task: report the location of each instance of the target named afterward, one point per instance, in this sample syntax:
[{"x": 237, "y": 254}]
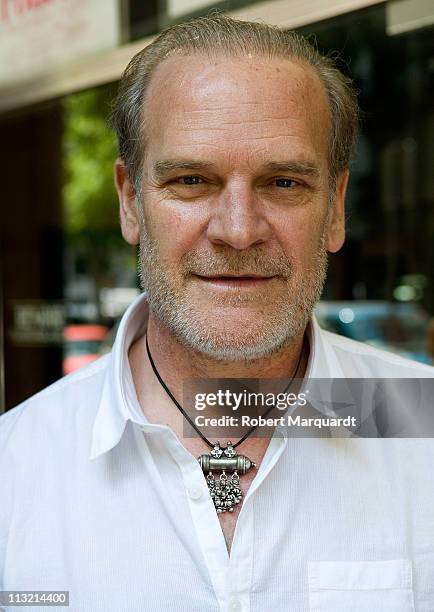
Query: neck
[{"x": 176, "y": 362}]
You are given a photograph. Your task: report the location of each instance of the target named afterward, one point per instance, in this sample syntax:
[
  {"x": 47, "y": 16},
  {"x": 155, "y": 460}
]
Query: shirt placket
[
  {"x": 231, "y": 576},
  {"x": 205, "y": 520},
  {"x": 240, "y": 569}
]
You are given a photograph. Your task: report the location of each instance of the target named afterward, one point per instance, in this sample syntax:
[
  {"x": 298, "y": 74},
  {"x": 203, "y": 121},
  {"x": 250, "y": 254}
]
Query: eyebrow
[
  {"x": 304, "y": 168},
  {"x": 164, "y": 167}
]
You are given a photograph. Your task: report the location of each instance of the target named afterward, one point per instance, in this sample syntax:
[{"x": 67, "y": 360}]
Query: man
[{"x": 235, "y": 141}]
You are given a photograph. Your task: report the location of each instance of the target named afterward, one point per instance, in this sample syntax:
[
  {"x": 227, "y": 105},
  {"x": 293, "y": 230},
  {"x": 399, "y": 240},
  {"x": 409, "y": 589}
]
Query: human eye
[
  {"x": 284, "y": 189},
  {"x": 189, "y": 186},
  {"x": 284, "y": 182},
  {"x": 189, "y": 180}
]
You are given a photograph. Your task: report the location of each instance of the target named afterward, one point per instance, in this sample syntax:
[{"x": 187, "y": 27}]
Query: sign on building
[{"x": 39, "y": 35}]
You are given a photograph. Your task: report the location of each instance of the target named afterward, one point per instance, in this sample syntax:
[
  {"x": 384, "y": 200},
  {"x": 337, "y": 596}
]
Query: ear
[
  {"x": 336, "y": 224},
  {"x": 130, "y": 225}
]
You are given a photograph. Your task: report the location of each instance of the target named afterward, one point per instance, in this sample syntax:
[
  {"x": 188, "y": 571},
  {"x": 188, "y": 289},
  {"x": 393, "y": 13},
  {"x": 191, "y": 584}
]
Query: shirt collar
[
  {"x": 118, "y": 402},
  {"x": 323, "y": 362}
]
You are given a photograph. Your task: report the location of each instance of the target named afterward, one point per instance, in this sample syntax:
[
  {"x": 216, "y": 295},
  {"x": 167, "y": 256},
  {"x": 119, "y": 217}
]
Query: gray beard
[{"x": 192, "y": 326}]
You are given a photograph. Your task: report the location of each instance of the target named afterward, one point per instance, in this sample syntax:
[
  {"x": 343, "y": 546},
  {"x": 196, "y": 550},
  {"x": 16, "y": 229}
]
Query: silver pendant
[{"x": 225, "y": 491}]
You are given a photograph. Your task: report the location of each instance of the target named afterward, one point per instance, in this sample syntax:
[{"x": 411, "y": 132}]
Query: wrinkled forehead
[{"x": 193, "y": 99}]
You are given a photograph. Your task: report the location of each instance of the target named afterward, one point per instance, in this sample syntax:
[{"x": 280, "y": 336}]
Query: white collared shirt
[{"x": 97, "y": 501}]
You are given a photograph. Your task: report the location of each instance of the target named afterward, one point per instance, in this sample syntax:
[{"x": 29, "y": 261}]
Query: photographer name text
[{"x": 287, "y": 420}]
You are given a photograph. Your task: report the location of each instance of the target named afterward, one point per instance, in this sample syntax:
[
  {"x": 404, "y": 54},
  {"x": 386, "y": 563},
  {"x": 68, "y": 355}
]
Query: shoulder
[
  {"x": 361, "y": 359},
  {"x": 47, "y": 434},
  {"x": 73, "y": 397}
]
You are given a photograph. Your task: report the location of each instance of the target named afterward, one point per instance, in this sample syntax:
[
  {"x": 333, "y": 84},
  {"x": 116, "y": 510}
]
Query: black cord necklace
[{"x": 226, "y": 493}]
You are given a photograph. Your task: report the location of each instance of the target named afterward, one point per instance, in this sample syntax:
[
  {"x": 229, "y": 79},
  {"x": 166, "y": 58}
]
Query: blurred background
[{"x": 66, "y": 274}]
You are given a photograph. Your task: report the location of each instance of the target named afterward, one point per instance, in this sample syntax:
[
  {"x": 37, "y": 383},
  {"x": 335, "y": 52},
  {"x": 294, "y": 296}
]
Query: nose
[{"x": 237, "y": 219}]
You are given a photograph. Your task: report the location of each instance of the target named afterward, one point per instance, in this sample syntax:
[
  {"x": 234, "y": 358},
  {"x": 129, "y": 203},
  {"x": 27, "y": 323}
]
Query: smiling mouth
[{"x": 236, "y": 281}]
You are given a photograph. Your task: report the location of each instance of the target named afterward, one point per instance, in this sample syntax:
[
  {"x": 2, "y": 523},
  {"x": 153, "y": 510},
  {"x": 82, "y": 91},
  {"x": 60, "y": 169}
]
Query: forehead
[{"x": 245, "y": 108}]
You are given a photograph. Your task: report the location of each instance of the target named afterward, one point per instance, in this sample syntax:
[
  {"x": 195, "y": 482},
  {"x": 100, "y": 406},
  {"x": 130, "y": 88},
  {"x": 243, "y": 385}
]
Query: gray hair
[{"x": 216, "y": 35}]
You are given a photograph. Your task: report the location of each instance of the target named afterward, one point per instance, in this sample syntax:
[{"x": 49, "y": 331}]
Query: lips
[
  {"x": 235, "y": 276},
  {"x": 235, "y": 281}
]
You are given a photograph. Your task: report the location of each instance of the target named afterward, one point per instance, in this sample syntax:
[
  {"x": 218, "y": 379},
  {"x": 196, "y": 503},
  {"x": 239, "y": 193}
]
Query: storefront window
[
  {"x": 100, "y": 270},
  {"x": 386, "y": 266}
]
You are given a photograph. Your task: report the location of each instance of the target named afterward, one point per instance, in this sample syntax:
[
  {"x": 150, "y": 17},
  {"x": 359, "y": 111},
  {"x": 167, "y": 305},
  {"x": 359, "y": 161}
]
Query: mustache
[{"x": 253, "y": 262}]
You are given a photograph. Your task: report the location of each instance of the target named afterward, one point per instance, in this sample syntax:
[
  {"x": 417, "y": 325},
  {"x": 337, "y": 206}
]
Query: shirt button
[
  {"x": 235, "y": 605},
  {"x": 195, "y": 493}
]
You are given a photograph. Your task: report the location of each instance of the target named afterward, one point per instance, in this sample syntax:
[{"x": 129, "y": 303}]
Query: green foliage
[{"x": 90, "y": 200}]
